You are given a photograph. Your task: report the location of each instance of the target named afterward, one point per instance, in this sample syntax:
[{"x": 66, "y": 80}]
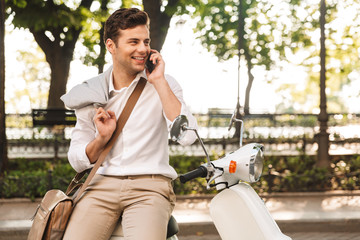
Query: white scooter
[{"x": 237, "y": 210}]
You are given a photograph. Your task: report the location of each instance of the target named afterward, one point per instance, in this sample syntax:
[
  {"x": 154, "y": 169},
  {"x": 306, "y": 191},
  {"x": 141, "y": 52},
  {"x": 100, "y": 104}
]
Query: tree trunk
[
  {"x": 100, "y": 61},
  {"x": 101, "y": 58},
  {"x": 159, "y": 21},
  {"x": 242, "y": 46},
  {"x": 3, "y": 142},
  {"x": 248, "y": 88},
  {"x": 323, "y": 135},
  {"x": 59, "y": 54},
  {"x": 60, "y": 67}
]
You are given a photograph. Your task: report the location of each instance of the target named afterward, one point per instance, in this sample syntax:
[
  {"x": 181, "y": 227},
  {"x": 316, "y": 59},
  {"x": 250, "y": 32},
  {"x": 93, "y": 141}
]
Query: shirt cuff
[
  {"x": 189, "y": 136},
  {"x": 80, "y": 162},
  {"x": 183, "y": 111}
]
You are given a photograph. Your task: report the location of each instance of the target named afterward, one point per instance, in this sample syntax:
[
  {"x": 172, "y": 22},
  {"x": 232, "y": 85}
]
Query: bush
[
  {"x": 32, "y": 179},
  {"x": 299, "y": 174},
  {"x": 184, "y": 164}
]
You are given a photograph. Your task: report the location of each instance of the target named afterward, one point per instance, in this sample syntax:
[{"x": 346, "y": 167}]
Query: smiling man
[{"x": 134, "y": 182}]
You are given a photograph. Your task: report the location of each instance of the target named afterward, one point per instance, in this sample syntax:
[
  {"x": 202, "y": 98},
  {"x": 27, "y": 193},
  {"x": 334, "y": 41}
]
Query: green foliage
[
  {"x": 91, "y": 37},
  {"x": 293, "y": 174},
  {"x": 18, "y": 121},
  {"x": 56, "y": 26},
  {"x": 299, "y": 174},
  {"x": 184, "y": 164},
  {"x": 269, "y": 32},
  {"x": 342, "y": 42},
  {"x": 263, "y": 29},
  {"x": 53, "y": 14},
  {"x": 33, "y": 178}
]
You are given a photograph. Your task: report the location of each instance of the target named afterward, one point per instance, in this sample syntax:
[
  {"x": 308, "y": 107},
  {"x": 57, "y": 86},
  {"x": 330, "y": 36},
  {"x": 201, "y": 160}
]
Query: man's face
[{"x": 131, "y": 50}]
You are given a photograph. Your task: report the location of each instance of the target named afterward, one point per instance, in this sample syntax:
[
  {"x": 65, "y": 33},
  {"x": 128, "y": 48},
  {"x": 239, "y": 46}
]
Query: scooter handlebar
[{"x": 199, "y": 172}]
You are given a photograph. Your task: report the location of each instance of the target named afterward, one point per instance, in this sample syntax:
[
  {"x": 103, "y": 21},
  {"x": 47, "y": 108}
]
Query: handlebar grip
[{"x": 199, "y": 172}]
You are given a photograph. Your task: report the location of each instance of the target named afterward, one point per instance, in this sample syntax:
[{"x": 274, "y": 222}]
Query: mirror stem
[
  {"x": 201, "y": 143},
  {"x": 241, "y": 130},
  {"x": 234, "y": 119}
]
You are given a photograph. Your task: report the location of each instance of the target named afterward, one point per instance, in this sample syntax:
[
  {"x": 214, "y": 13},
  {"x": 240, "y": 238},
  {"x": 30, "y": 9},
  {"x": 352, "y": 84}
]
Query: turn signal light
[{"x": 232, "y": 167}]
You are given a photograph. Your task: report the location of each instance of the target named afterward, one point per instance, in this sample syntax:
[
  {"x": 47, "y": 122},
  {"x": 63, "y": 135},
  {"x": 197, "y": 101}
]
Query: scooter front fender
[{"x": 239, "y": 213}]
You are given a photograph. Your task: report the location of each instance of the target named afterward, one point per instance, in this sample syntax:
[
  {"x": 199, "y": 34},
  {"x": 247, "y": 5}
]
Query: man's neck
[{"x": 122, "y": 78}]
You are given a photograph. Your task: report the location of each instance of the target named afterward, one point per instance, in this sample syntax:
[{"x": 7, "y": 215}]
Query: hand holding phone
[{"x": 149, "y": 64}]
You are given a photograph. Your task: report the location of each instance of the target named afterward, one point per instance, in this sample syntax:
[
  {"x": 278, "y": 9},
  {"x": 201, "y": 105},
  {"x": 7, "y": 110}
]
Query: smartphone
[{"x": 149, "y": 64}]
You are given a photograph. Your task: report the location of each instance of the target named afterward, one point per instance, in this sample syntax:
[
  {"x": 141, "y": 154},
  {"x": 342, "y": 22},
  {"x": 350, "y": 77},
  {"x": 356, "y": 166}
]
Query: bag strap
[{"x": 124, "y": 116}]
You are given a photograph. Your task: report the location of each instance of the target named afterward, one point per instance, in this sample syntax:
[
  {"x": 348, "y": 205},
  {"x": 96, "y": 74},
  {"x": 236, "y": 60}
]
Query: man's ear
[{"x": 110, "y": 45}]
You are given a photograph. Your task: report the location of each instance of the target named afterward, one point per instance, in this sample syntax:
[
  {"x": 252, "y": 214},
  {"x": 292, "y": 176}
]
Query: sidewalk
[
  {"x": 338, "y": 211},
  {"x": 294, "y": 236},
  {"x": 329, "y": 215}
]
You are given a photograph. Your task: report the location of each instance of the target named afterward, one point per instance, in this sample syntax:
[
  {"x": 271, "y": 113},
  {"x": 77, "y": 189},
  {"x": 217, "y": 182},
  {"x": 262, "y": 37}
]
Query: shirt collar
[{"x": 112, "y": 89}]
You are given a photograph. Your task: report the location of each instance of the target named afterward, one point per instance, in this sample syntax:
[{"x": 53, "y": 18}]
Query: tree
[
  {"x": 253, "y": 27},
  {"x": 92, "y": 37},
  {"x": 272, "y": 33},
  {"x": 159, "y": 14},
  {"x": 56, "y": 28},
  {"x": 3, "y": 142},
  {"x": 160, "y": 17},
  {"x": 342, "y": 42},
  {"x": 35, "y": 79}
]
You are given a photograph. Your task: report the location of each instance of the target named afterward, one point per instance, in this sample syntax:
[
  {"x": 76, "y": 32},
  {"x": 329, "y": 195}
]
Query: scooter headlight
[
  {"x": 256, "y": 163},
  {"x": 245, "y": 164}
]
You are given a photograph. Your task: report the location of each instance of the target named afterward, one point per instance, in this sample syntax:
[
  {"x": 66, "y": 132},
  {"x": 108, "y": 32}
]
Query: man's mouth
[{"x": 139, "y": 58}]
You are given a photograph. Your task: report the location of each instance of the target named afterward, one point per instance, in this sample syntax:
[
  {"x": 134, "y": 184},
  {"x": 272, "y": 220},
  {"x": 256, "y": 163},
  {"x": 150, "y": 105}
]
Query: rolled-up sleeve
[
  {"x": 190, "y": 136},
  {"x": 82, "y": 134}
]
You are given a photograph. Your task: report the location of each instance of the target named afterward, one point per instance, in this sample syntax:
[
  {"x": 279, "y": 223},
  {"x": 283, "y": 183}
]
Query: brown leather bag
[
  {"x": 51, "y": 216},
  {"x": 54, "y": 211}
]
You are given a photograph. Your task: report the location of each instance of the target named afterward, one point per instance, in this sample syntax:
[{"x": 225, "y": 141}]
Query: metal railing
[
  {"x": 282, "y": 135},
  {"x": 54, "y": 149}
]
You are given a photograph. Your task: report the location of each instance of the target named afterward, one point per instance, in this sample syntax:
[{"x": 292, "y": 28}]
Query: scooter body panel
[
  {"x": 118, "y": 232},
  {"x": 239, "y": 213},
  {"x": 119, "y": 235}
]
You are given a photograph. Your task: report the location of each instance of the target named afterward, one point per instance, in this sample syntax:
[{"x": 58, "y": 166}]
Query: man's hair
[{"x": 124, "y": 18}]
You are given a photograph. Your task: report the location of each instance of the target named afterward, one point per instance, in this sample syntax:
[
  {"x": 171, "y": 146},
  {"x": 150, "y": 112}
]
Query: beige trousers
[{"x": 144, "y": 202}]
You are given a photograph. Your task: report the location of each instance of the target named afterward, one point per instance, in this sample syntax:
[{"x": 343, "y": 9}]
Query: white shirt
[{"x": 142, "y": 146}]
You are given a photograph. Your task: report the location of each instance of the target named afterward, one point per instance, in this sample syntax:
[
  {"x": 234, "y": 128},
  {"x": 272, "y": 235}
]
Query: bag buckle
[{"x": 75, "y": 181}]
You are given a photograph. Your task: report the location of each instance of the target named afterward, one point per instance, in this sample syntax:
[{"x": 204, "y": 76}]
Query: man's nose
[{"x": 143, "y": 47}]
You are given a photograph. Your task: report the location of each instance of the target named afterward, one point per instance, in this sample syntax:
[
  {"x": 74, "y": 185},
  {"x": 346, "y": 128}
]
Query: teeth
[{"x": 139, "y": 58}]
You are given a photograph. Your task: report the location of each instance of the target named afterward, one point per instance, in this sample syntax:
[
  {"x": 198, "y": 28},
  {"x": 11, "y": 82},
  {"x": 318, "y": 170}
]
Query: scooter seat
[{"x": 172, "y": 228}]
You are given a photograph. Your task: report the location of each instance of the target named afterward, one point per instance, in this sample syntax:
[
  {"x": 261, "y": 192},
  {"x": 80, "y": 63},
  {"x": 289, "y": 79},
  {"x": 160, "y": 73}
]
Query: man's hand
[
  {"x": 105, "y": 122},
  {"x": 171, "y": 105},
  {"x": 157, "y": 75}
]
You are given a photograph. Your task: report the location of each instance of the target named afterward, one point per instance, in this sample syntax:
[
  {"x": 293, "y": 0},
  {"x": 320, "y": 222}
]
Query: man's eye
[{"x": 133, "y": 42}]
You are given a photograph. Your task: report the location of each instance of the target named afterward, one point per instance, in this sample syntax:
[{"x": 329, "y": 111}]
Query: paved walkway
[
  {"x": 310, "y": 216},
  {"x": 294, "y": 236},
  {"x": 333, "y": 205}
]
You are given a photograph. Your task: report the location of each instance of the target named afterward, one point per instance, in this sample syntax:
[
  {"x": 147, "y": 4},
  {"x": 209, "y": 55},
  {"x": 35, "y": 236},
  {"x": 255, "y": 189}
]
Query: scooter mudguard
[{"x": 239, "y": 213}]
